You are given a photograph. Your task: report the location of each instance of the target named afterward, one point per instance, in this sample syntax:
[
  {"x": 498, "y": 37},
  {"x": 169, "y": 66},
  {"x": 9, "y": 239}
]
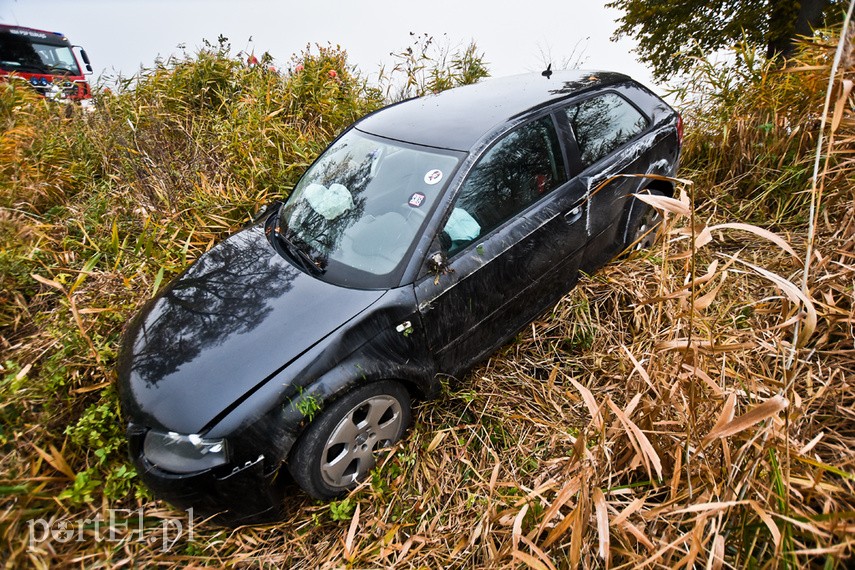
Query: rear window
[{"x": 603, "y": 123}]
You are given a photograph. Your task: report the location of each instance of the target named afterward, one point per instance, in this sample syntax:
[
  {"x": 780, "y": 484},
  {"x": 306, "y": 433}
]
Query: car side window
[
  {"x": 601, "y": 124},
  {"x": 524, "y": 165}
]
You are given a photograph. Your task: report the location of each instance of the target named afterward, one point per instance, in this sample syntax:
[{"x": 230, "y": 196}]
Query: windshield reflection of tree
[
  {"x": 602, "y": 124},
  {"x": 224, "y": 293},
  {"x": 506, "y": 179},
  {"x": 323, "y": 235}
]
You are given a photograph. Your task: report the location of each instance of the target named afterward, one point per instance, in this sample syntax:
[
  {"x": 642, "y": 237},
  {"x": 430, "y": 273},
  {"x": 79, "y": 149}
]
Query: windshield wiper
[{"x": 302, "y": 258}]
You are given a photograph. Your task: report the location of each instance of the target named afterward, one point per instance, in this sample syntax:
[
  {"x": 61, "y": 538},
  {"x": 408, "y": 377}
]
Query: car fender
[
  {"x": 368, "y": 348},
  {"x": 390, "y": 345}
]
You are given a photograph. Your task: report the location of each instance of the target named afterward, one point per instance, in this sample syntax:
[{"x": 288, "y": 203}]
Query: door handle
[{"x": 574, "y": 215}]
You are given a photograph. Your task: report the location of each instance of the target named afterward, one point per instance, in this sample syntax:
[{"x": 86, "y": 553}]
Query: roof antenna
[{"x": 548, "y": 73}]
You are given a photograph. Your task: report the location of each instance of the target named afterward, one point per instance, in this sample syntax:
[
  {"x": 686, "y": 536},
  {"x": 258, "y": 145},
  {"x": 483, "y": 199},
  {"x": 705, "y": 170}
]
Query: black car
[{"x": 422, "y": 239}]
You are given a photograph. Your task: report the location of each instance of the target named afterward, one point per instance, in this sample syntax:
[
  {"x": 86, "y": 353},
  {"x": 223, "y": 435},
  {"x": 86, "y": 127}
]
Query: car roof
[{"x": 457, "y": 118}]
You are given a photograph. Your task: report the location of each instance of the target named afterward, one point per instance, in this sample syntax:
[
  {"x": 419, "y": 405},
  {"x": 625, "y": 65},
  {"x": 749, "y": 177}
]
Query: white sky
[{"x": 121, "y": 35}]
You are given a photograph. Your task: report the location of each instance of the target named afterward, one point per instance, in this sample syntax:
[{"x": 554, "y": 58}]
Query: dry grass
[
  {"x": 660, "y": 416},
  {"x": 621, "y": 429}
]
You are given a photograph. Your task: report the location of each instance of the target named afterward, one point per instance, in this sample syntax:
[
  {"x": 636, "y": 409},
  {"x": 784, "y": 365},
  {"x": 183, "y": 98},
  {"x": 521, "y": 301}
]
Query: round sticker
[
  {"x": 416, "y": 199},
  {"x": 433, "y": 176}
]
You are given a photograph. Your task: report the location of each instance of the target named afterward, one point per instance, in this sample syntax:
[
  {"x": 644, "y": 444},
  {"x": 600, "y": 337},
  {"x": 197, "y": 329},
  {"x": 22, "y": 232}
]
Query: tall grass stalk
[{"x": 816, "y": 181}]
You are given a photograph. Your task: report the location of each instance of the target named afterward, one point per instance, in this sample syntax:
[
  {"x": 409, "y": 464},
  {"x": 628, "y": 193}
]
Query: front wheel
[{"x": 340, "y": 447}]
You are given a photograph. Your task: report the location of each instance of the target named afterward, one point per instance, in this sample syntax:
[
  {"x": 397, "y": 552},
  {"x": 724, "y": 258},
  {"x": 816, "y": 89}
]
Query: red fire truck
[{"x": 46, "y": 60}]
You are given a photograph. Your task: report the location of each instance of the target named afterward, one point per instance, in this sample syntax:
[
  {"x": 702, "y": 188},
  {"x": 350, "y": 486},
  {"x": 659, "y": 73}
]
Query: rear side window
[
  {"x": 602, "y": 124},
  {"x": 523, "y": 166}
]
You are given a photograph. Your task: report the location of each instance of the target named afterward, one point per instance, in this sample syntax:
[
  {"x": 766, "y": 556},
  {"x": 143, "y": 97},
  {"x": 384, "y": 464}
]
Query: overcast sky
[{"x": 516, "y": 37}]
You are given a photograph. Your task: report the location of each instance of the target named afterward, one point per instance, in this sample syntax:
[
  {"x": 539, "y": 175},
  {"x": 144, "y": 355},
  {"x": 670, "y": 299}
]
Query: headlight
[{"x": 180, "y": 453}]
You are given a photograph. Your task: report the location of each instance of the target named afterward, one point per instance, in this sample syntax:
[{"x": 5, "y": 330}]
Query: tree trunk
[
  {"x": 791, "y": 19},
  {"x": 810, "y": 16}
]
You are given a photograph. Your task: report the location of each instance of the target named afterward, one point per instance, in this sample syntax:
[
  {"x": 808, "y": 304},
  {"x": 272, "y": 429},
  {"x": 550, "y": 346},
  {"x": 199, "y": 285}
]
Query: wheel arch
[
  {"x": 665, "y": 187},
  {"x": 318, "y": 396},
  {"x": 306, "y": 455}
]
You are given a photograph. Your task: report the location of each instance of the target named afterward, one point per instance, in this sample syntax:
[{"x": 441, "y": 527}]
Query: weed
[
  {"x": 84, "y": 488},
  {"x": 307, "y": 404},
  {"x": 431, "y": 65},
  {"x": 342, "y": 510}
]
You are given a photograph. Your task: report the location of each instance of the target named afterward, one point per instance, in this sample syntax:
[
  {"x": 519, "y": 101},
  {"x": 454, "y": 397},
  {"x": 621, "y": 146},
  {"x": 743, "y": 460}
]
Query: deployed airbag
[
  {"x": 462, "y": 226},
  {"x": 329, "y": 202}
]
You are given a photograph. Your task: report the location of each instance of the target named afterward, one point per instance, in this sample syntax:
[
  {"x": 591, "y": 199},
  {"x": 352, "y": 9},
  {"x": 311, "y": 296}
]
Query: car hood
[{"x": 235, "y": 318}]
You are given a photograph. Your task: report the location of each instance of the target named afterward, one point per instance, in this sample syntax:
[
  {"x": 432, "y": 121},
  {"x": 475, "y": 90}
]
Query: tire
[
  {"x": 644, "y": 223},
  {"x": 340, "y": 447}
]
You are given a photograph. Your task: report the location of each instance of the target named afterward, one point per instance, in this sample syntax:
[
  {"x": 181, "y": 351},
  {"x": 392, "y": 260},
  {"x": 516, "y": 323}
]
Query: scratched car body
[{"x": 422, "y": 239}]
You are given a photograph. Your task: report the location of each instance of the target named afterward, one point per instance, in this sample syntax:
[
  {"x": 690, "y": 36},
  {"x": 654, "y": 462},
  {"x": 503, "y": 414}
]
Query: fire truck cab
[{"x": 46, "y": 60}]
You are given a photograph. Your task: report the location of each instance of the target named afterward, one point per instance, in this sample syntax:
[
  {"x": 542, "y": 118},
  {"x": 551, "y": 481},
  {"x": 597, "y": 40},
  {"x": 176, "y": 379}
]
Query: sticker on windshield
[
  {"x": 416, "y": 200},
  {"x": 433, "y": 176}
]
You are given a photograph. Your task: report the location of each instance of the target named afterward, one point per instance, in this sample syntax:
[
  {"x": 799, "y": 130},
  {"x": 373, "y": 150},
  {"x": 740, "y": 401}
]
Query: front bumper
[{"x": 232, "y": 494}]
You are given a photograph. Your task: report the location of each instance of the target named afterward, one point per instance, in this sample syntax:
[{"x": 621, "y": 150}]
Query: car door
[
  {"x": 607, "y": 134},
  {"x": 513, "y": 237}
]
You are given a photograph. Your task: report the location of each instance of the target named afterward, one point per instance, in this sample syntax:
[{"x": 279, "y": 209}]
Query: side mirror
[
  {"x": 85, "y": 59},
  {"x": 438, "y": 263}
]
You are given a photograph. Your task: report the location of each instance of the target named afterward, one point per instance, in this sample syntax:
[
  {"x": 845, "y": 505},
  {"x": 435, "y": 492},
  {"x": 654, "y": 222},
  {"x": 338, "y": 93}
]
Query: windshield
[
  {"x": 358, "y": 209},
  {"x": 31, "y": 55}
]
